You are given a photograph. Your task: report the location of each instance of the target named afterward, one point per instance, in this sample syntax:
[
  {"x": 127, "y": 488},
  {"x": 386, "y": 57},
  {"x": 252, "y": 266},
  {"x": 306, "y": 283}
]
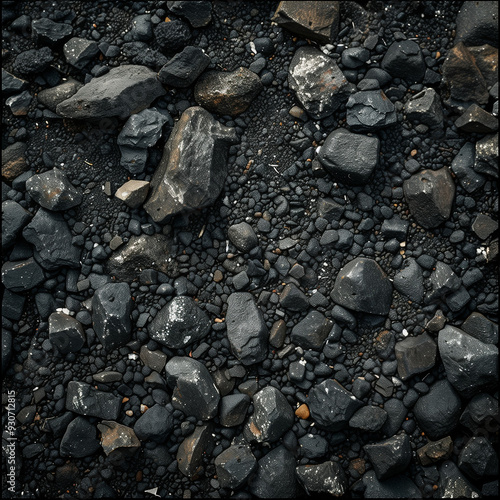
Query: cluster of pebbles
[{"x": 249, "y": 249}]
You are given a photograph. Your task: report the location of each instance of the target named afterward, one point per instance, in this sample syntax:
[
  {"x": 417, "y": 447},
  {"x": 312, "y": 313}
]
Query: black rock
[
  {"x": 193, "y": 168},
  {"x": 435, "y": 451},
  {"x": 327, "y": 477},
  {"x": 396, "y": 414},
  {"x": 463, "y": 168},
  {"x": 486, "y": 161},
  {"x": 184, "y": 68},
  {"x": 141, "y": 54},
  {"x": 6, "y": 349},
  {"x": 53, "y": 190},
  {"x": 415, "y": 355},
  {"x": 293, "y": 299},
  {"x": 242, "y": 236},
  {"x": 484, "y": 226},
  {"x": 311, "y": 332},
  {"x": 111, "y": 307},
  {"x": 409, "y": 281},
  {"x": 425, "y": 107},
  {"x": 155, "y": 424},
  {"x": 471, "y": 365},
  {"x": 122, "y": 91},
  {"x": 329, "y": 209},
  {"x": 368, "y": 418},
  {"x": 84, "y": 399},
  {"x": 179, "y": 323},
  {"x": 23, "y": 275},
  {"x": 394, "y": 487},
  {"x": 47, "y": 32},
  {"x": 11, "y": 84},
  {"x": 142, "y": 28},
  {"x": 478, "y": 459},
  {"x": 79, "y": 51},
  {"x": 331, "y": 405},
  {"x": 191, "y": 450},
  {"x": 227, "y": 93},
  {"x": 362, "y": 285},
  {"x": 66, "y": 333},
  {"x": 33, "y": 61},
  {"x": 133, "y": 192},
  {"x": 51, "y": 97},
  {"x": 453, "y": 484},
  {"x": 12, "y": 305},
  {"x": 395, "y": 227},
  {"x": 271, "y": 418},
  {"x": 476, "y": 120},
  {"x": 430, "y": 195},
  {"x": 477, "y": 23},
  {"x": 194, "y": 391},
  {"x": 197, "y": 12},
  {"x": 313, "y": 446},
  {"x": 481, "y": 413},
  {"x": 349, "y": 158},
  {"x": 14, "y": 218},
  {"x": 443, "y": 280},
  {"x": 404, "y": 59},
  {"x": 233, "y": 409},
  {"x": 481, "y": 328},
  {"x": 438, "y": 411},
  {"x": 391, "y": 456},
  {"x": 234, "y": 466},
  {"x": 172, "y": 36},
  {"x": 370, "y": 110},
  {"x": 80, "y": 439},
  {"x": 246, "y": 329},
  {"x": 275, "y": 476},
  {"x": 355, "y": 57},
  {"x": 319, "y": 84}
]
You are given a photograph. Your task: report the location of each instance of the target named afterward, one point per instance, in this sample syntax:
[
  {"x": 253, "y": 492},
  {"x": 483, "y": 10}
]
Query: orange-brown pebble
[{"x": 302, "y": 412}]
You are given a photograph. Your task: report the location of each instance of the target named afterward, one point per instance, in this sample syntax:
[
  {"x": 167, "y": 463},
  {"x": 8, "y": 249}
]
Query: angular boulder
[
  {"x": 409, "y": 281},
  {"x": 117, "y": 440},
  {"x": 184, "y": 68},
  {"x": 179, "y": 323},
  {"x": 14, "y": 218},
  {"x": 124, "y": 90},
  {"x": 370, "y": 110},
  {"x": 66, "y": 333},
  {"x": 235, "y": 465},
  {"x": 312, "y": 331},
  {"x": 477, "y": 23},
  {"x": 404, "y": 59},
  {"x": 327, "y": 478},
  {"x": 318, "y": 82},
  {"x": 391, "y": 456},
  {"x": 155, "y": 424},
  {"x": 415, "y": 355},
  {"x": 82, "y": 398},
  {"x": 191, "y": 450},
  {"x": 463, "y": 168},
  {"x": 193, "y": 168},
  {"x": 79, "y": 440},
  {"x": 362, "y": 285},
  {"x": 22, "y": 275},
  {"x": 486, "y": 160},
  {"x": 425, "y": 107}
]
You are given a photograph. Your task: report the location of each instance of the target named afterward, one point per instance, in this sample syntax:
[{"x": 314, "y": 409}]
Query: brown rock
[
  {"x": 315, "y": 20},
  {"x": 117, "y": 439},
  {"x": 13, "y": 161},
  {"x": 191, "y": 450},
  {"x": 434, "y": 451},
  {"x": 277, "y": 333},
  {"x": 486, "y": 58},
  {"x": 302, "y": 412}
]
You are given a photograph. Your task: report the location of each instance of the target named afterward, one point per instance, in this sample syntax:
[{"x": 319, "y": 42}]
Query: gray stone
[
  {"x": 478, "y": 459},
  {"x": 394, "y": 487},
  {"x": 329, "y": 209},
  {"x": 234, "y": 466},
  {"x": 319, "y": 84},
  {"x": 311, "y": 332},
  {"x": 481, "y": 413},
  {"x": 155, "y": 424},
  {"x": 246, "y": 329},
  {"x": 184, "y": 68},
  {"x": 415, "y": 355},
  {"x": 486, "y": 161},
  {"x": 14, "y": 218},
  {"x": 51, "y": 97},
  {"x": 331, "y": 405},
  {"x": 313, "y": 446},
  {"x": 19, "y": 104},
  {"x": 391, "y": 456},
  {"x": 477, "y": 23},
  {"x": 124, "y": 90},
  {"x": 484, "y": 226},
  {"x": 463, "y": 168},
  {"x": 22, "y": 275},
  {"x": 133, "y": 193},
  {"x": 396, "y": 414},
  {"x": 14, "y": 161},
  {"x": 193, "y": 168},
  {"x": 12, "y": 305},
  {"x": 476, "y": 120},
  {"x": 198, "y": 12},
  {"x": 11, "y": 84},
  {"x": 481, "y": 328},
  {"x": 111, "y": 307},
  {"x": 179, "y": 323},
  {"x": 65, "y": 333},
  {"x": 438, "y": 411},
  {"x": 53, "y": 190},
  {"x": 33, "y": 61},
  {"x": 435, "y": 451},
  {"x": 425, "y": 107},
  {"x": 293, "y": 299},
  {"x": 327, "y": 477},
  {"x": 194, "y": 391},
  {"x": 409, "y": 281},
  {"x": 242, "y": 236},
  {"x": 191, "y": 450},
  {"x": 443, "y": 280},
  {"x": 79, "y": 51},
  {"x": 355, "y": 57},
  {"x": 84, "y": 399},
  {"x": 430, "y": 195},
  {"x": 370, "y": 110},
  {"x": 118, "y": 441},
  {"x": 79, "y": 440},
  {"x": 362, "y": 285},
  {"x": 404, "y": 59},
  {"x": 349, "y": 158},
  {"x": 471, "y": 365},
  {"x": 272, "y": 416},
  {"x": 368, "y": 418},
  {"x": 233, "y": 409},
  {"x": 47, "y": 32},
  {"x": 452, "y": 483}
]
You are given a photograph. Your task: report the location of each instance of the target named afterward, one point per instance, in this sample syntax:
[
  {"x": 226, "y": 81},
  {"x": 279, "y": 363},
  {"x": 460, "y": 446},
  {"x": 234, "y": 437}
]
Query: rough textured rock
[
  {"x": 476, "y": 120},
  {"x": 197, "y": 12},
  {"x": 11, "y": 84},
  {"x": 275, "y": 476},
  {"x": 438, "y": 411},
  {"x": 477, "y": 23},
  {"x": 480, "y": 413},
  {"x": 121, "y": 92},
  {"x": 435, "y": 451},
  {"x": 193, "y": 168},
  {"x": 317, "y": 21},
  {"x": 486, "y": 58},
  {"x": 172, "y": 35},
  {"x": 179, "y": 323},
  {"x": 311, "y": 332},
  {"x": 486, "y": 160},
  {"x": 471, "y": 365},
  {"x": 430, "y": 195},
  {"x": 415, "y": 355},
  {"x": 79, "y": 440},
  {"x": 234, "y": 466},
  {"x": 484, "y": 226},
  {"x": 349, "y": 158},
  {"x": 404, "y": 59},
  {"x": 272, "y": 416},
  {"x": 463, "y": 168},
  {"x": 195, "y": 393},
  {"x": 80, "y": 51},
  {"x": 370, "y": 110},
  {"x": 319, "y": 84},
  {"x": 184, "y": 68},
  {"x": 66, "y": 333},
  {"x": 327, "y": 477},
  {"x": 478, "y": 326},
  {"x": 331, "y": 405},
  {"x": 409, "y": 281},
  {"x": 478, "y": 459},
  {"x": 51, "y": 236},
  {"x": 14, "y": 218},
  {"x": 53, "y": 190},
  {"x": 84, "y": 399},
  {"x": 13, "y": 161},
  {"x": 246, "y": 329},
  {"x": 391, "y": 456},
  {"x": 111, "y": 307},
  {"x": 191, "y": 450},
  {"x": 33, "y": 61},
  {"x": 425, "y": 107},
  {"x": 117, "y": 440},
  {"x": 452, "y": 483},
  {"x": 368, "y": 418},
  {"x": 293, "y": 299},
  {"x": 155, "y": 424},
  {"x": 362, "y": 285},
  {"x": 22, "y": 275},
  {"x": 227, "y": 93},
  {"x": 233, "y": 409}
]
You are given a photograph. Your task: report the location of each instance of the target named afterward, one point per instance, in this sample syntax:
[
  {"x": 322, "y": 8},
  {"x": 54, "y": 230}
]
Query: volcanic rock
[
  {"x": 13, "y": 161},
  {"x": 234, "y": 466},
  {"x": 391, "y": 456},
  {"x": 394, "y": 487},
  {"x": 425, "y": 107},
  {"x": 478, "y": 459},
  {"x": 84, "y": 399},
  {"x": 409, "y": 281},
  {"x": 484, "y": 226},
  {"x": 23, "y": 275},
  {"x": 476, "y": 120},
  {"x": 404, "y": 59},
  {"x": 463, "y": 168},
  {"x": 79, "y": 440},
  {"x": 486, "y": 161},
  {"x": 233, "y": 409},
  {"x": 327, "y": 477},
  {"x": 435, "y": 451},
  {"x": 14, "y": 218},
  {"x": 11, "y": 84},
  {"x": 118, "y": 441},
  {"x": 477, "y": 23},
  {"x": 191, "y": 450},
  {"x": 47, "y": 32},
  {"x": 51, "y": 97},
  {"x": 197, "y": 12},
  {"x": 453, "y": 484},
  {"x": 133, "y": 192},
  {"x": 370, "y": 110},
  {"x": 155, "y": 424},
  {"x": 65, "y": 333},
  {"x": 311, "y": 332},
  {"x": 33, "y": 61},
  {"x": 242, "y": 236},
  {"x": 481, "y": 328},
  {"x": 173, "y": 35},
  {"x": 79, "y": 51},
  {"x": 184, "y": 68},
  {"x": 415, "y": 355}
]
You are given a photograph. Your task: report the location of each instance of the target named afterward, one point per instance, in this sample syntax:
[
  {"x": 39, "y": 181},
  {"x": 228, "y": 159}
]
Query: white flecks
[
  {"x": 63, "y": 310},
  {"x": 133, "y": 356},
  {"x": 404, "y": 332}
]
